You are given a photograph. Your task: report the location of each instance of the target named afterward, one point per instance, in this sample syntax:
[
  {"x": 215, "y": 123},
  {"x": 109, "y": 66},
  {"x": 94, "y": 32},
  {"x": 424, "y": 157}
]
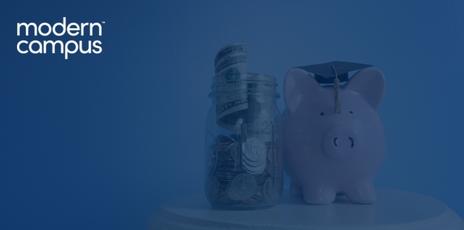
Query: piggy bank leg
[
  {"x": 318, "y": 194},
  {"x": 361, "y": 193}
]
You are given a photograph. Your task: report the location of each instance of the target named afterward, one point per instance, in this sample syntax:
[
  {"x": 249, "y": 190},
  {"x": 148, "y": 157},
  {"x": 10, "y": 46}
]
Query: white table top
[{"x": 393, "y": 210}]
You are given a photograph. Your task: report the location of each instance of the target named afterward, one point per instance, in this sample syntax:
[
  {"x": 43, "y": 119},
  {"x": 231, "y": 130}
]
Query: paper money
[
  {"x": 231, "y": 95},
  {"x": 230, "y": 50}
]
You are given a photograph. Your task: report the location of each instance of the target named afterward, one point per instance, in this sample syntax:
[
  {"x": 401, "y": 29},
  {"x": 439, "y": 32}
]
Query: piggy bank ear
[
  {"x": 299, "y": 85},
  {"x": 370, "y": 84}
]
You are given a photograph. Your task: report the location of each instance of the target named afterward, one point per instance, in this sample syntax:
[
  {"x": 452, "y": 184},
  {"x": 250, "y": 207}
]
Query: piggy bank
[{"x": 333, "y": 136}]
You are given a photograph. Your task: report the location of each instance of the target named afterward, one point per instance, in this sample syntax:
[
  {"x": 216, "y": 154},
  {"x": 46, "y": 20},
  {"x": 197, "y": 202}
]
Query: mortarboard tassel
[{"x": 337, "y": 88}]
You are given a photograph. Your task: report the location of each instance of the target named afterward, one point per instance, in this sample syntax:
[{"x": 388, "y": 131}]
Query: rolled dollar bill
[
  {"x": 237, "y": 62},
  {"x": 230, "y": 50},
  {"x": 230, "y": 89},
  {"x": 231, "y": 63}
]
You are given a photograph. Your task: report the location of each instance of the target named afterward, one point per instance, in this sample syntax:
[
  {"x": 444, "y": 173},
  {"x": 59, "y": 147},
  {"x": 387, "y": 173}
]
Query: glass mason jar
[{"x": 244, "y": 165}]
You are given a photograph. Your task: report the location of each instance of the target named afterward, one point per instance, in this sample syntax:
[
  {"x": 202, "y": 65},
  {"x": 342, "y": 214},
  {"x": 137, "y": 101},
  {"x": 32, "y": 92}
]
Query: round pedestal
[{"x": 394, "y": 210}]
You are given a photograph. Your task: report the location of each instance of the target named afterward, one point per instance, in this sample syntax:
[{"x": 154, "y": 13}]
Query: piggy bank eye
[
  {"x": 322, "y": 113},
  {"x": 351, "y": 112}
]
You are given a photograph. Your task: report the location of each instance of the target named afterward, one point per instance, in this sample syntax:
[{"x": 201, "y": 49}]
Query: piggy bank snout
[{"x": 340, "y": 142}]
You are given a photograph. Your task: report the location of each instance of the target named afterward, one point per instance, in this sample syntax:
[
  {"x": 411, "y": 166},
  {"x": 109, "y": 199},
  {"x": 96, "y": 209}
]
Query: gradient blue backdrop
[{"x": 99, "y": 142}]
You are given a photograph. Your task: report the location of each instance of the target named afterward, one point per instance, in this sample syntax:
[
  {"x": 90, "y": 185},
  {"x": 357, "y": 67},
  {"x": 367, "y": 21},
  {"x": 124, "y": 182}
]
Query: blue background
[{"x": 99, "y": 142}]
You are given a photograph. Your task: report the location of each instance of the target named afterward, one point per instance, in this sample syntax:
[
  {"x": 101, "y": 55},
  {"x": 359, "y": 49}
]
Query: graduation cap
[
  {"x": 334, "y": 74},
  {"x": 327, "y": 73}
]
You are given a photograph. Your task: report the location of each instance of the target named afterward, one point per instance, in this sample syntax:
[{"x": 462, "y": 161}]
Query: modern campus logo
[{"x": 60, "y": 38}]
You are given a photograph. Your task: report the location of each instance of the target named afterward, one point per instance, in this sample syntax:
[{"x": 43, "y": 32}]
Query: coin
[
  {"x": 242, "y": 187},
  {"x": 269, "y": 191},
  {"x": 254, "y": 155}
]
